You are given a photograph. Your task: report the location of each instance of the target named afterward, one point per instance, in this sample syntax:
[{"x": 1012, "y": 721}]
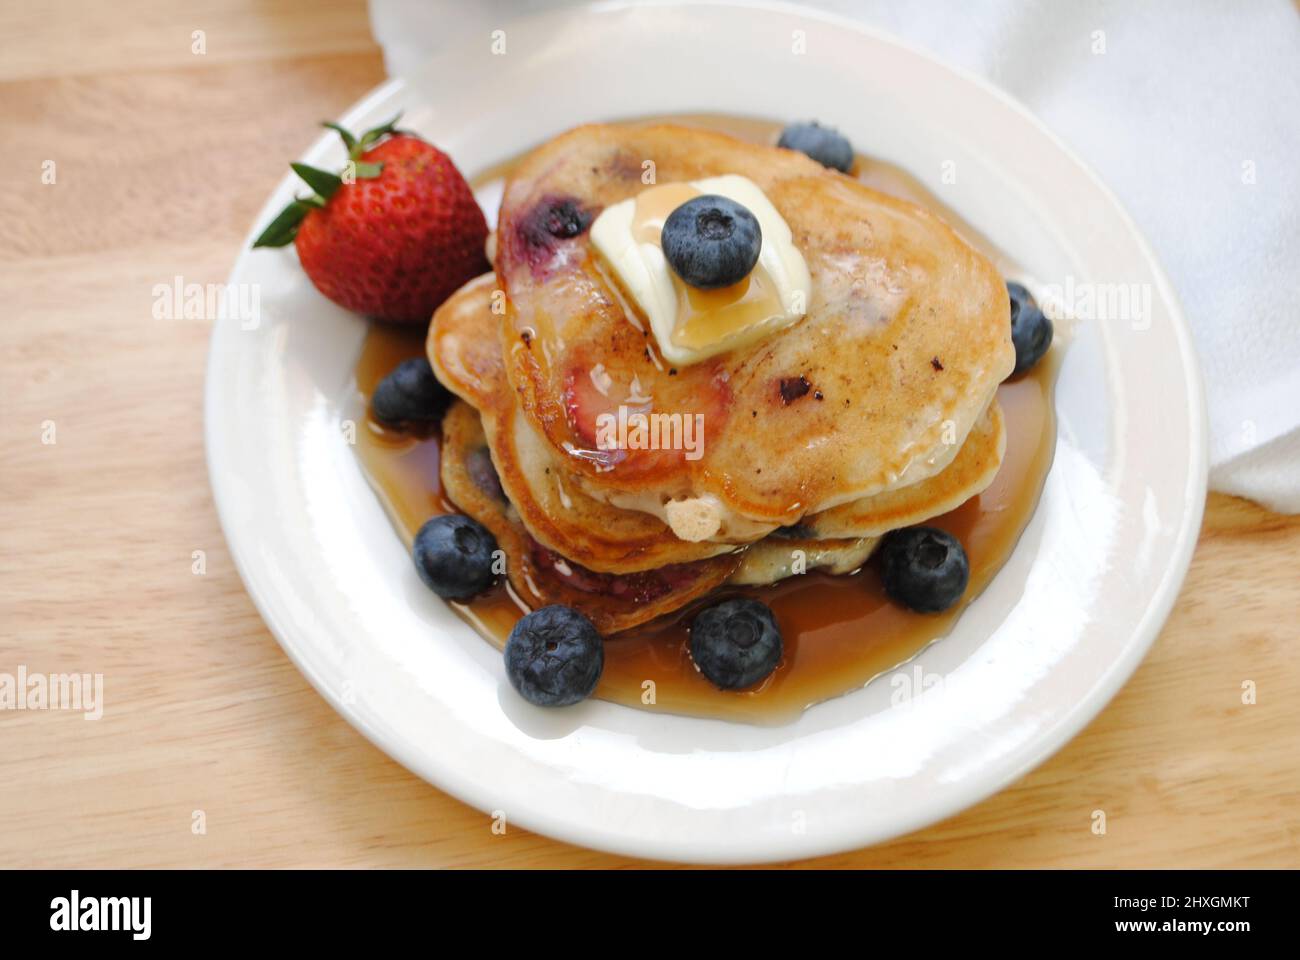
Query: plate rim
[{"x": 1144, "y": 633}]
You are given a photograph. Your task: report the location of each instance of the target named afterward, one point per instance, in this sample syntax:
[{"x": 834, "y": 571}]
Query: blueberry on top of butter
[
  {"x": 739, "y": 298},
  {"x": 711, "y": 241}
]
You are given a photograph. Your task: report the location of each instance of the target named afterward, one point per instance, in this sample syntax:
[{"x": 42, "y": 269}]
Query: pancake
[
  {"x": 613, "y": 602},
  {"x": 464, "y": 350},
  {"x": 604, "y": 538},
  {"x": 906, "y": 338},
  {"x": 969, "y": 474}
]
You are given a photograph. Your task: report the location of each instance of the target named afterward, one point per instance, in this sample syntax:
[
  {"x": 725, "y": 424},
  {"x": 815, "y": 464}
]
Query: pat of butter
[{"x": 690, "y": 325}]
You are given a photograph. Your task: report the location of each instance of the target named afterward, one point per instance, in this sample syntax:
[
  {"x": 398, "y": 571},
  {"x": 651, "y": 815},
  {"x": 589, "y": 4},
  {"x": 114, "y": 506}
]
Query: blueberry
[
  {"x": 924, "y": 568},
  {"x": 554, "y": 657},
  {"x": 482, "y": 471},
  {"x": 550, "y": 219},
  {"x": 454, "y": 556},
  {"x": 409, "y": 392},
  {"x": 565, "y": 219},
  {"x": 824, "y": 144},
  {"x": 1031, "y": 331},
  {"x": 736, "y": 643},
  {"x": 711, "y": 241}
]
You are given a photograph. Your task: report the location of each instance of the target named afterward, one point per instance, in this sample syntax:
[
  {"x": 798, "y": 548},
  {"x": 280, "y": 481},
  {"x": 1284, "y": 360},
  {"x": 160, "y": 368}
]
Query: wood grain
[{"x": 163, "y": 158}]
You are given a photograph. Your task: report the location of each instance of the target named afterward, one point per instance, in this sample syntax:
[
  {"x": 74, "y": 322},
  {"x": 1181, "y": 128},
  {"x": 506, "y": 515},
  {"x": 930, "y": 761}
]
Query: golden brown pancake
[
  {"x": 607, "y": 539},
  {"x": 906, "y": 339},
  {"x": 471, "y": 482},
  {"x": 969, "y": 473},
  {"x": 464, "y": 349},
  {"x": 613, "y": 602}
]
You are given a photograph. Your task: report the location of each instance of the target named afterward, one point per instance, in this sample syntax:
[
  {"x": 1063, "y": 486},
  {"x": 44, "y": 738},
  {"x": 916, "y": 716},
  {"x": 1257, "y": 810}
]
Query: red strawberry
[{"x": 392, "y": 242}]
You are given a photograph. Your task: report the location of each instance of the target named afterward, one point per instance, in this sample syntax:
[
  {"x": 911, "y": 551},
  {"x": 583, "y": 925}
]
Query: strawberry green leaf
[
  {"x": 349, "y": 141},
  {"x": 284, "y": 227},
  {"x": 322, "y": 181}
]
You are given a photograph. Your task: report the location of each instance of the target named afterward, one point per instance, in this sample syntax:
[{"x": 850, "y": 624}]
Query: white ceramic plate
[{"x": 1030, "y": 662}]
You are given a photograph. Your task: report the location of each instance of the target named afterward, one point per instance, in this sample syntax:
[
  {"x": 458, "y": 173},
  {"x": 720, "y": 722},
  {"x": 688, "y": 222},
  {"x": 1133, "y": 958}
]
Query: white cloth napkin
[{"x": 1190, "y": 111}]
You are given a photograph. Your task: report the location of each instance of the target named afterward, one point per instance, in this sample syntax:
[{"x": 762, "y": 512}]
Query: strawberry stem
[
  {"x": 284, "y": 228},
  {"x": 373, "y": 135},
  {"x": 349, "y": 141}
]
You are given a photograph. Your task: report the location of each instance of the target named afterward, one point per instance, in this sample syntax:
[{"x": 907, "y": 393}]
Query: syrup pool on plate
[{"x": 839, "y": 631}]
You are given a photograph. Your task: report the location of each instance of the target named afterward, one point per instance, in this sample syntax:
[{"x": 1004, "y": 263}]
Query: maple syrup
[
  {"x": 839, "y": 631},
  {"x": 705, "y": 317},
  {"x": 706, "y": 321},
  {"x": 653, "y": 206}
]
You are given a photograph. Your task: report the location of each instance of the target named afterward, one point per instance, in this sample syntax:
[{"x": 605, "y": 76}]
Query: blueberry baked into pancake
[{"x": 735, "y": 422}]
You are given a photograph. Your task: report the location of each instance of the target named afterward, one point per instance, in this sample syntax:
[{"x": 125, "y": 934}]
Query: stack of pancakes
[{"x": 875, "y": 411}]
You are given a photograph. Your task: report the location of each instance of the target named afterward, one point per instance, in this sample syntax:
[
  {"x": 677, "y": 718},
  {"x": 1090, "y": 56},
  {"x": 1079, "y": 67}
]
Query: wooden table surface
[{"x": 162, "y": 158}]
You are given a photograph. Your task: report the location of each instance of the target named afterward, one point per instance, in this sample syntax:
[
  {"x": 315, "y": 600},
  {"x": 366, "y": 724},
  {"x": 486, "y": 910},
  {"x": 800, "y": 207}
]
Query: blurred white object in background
[{"x": 1189, "y": 111}]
